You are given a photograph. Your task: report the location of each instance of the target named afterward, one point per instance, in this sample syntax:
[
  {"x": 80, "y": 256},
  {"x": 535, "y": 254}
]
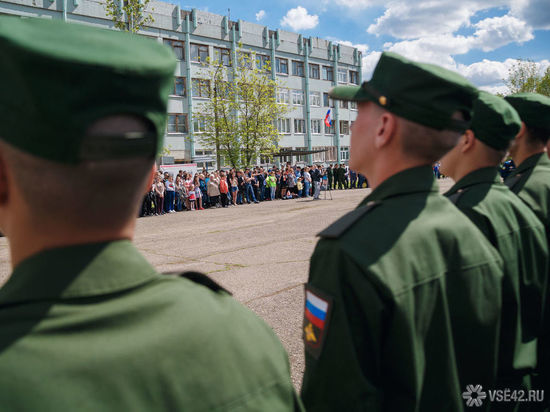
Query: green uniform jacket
[
  {"x": 412, "y": 294},
  {"x": 531, "y": 182},
  {"x": 520, "y": 238},
  {"x": 96, "y": 328}
]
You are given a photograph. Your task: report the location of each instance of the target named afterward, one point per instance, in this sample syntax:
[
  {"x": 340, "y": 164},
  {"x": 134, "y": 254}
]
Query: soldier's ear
[
  {"x": 385, "y": 129},
  {"x": 467, "y": 141}
]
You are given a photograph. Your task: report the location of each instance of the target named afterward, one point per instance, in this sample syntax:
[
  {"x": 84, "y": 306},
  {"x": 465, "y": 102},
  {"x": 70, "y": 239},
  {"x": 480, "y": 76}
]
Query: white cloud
[
  {"x": 536, "y": 13},
  {"x": 299, "y": 19},
  {"x": 496, "y": 32},
  {"x": 368, "y": 63},
  {"x": 260, "y": 15}
]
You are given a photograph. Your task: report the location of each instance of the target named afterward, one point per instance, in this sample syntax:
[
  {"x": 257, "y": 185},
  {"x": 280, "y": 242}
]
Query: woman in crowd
[
  {"x": 234, "y": 187},
  {"x": 169, "y": 194},
  {"x": 198, "y": 193},
  {"x": 159, "y": 194},
  {"x": 307, "y": 181},
  {"x": 213, "y": 189}
]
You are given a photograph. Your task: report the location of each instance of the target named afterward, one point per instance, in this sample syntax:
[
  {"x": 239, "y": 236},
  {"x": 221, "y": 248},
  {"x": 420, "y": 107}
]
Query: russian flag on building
[
  {"x": 316, "y": 309},
  {"x": 328, "y": 120}
]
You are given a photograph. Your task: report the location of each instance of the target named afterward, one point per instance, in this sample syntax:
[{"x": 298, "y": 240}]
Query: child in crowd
[{"x": 191, "y": 196}]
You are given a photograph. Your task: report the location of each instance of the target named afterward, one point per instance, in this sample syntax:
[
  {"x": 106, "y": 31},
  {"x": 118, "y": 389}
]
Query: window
[
  {"x": 222, "y": 56},
  {"x": 326, "y": 100},
  {"x": 199, "y": 126},
  {"x": 180, "y": 88},
  {"x": 353, "y": 77},
  {"x": 245, "y": 60},
  {"x": 177, "y": 123},
  {"x": 177, "y": 46},
  {"x": 298, "y": 97},
  {"x": 297, "y": 68},
  {"x": 299, "y": 126},
  {"x": 329, "y": 130},
  {"x": 315, "y": 99},
  {"x": 201, "y": 88},
  {"x": 314, "y": 71},
  {"x": 316, "y": 126},
  {"x": 353, "y": 105},
  {"x": 328, "y": 73},
  {"x": 283, "y": 126},
  {"x": 342, "y": 76},
  {"x": 344, "y": 127},
  {"x": 282, "y": 96},
  {"x": 343, "y": 104},
  {"x": 281, "y": 65},
  {"x": 199, "y": 53},
  {"x": 263, "y": 63},
  {"x": 344, "y": 153}
]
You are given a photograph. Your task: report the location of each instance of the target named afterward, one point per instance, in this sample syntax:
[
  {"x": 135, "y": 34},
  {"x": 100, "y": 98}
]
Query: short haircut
[
  {"x": 426, "y": 143},
  {"x": 537, "y": 136},
  {"x": 98, "y": 194}
]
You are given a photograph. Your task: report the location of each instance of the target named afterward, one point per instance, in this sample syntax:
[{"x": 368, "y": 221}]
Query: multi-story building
[{"x": 304, "y": 68}]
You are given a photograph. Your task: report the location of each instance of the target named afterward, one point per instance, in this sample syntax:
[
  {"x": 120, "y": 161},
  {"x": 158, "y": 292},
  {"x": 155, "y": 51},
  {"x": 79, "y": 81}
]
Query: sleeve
[{"x": 343, "y": 354}]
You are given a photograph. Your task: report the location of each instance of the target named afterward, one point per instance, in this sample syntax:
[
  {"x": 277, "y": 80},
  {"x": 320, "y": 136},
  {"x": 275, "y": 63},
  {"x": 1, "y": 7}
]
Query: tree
[
  {"x": 524, "y": 76},
  {"x": 134, "y": 10},
  {"x": 239, "y": 120}
]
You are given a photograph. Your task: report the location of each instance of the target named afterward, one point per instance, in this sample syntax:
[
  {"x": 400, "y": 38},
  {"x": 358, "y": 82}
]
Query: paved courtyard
[{"x": 258, "y": 252}]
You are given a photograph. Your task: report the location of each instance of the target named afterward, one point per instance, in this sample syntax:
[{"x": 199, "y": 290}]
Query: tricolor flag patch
[{"x": 316, "y": 316}]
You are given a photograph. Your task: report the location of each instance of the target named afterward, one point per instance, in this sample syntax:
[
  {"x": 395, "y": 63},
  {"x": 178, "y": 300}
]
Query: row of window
[
  {"x": 177, "y": 123},
  {"x": 284, "y": 126},
  {"x": 201, "y": 88},
  {"x": 200, "y": 54}
]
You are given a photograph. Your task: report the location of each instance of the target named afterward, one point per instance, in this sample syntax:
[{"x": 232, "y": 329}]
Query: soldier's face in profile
[{"x": 362, "y": 137}]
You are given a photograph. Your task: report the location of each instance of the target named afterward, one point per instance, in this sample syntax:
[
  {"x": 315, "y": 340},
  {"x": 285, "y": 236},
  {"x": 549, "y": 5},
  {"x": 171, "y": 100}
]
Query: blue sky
[{"x": 478, "y": 38}]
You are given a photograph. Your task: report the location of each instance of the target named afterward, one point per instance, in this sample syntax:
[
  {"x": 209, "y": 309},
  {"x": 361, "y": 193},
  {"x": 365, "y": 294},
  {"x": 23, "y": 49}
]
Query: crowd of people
[{"x": 221, "y": 188}]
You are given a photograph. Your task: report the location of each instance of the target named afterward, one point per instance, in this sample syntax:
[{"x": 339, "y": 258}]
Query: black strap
[
  {"x": 454, "y": 198},
  {"x": 512, "y": 181},
  {"x": 201, "y": 279}
]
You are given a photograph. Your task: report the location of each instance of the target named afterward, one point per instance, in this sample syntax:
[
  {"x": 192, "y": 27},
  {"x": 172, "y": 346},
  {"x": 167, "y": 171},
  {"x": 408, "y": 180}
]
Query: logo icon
[{"x": 474, "y": 395}]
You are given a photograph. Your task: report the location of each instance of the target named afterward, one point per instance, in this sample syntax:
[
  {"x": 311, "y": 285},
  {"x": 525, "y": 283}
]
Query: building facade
[{"x": 304, "y": 68}]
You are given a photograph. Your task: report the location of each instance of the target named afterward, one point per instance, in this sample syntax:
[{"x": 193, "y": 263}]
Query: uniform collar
[
  {"x": 78, "y": 271},
  {"x": 532, "y": 161},
  {"x": 414, "y": 180},
  {"x": 483, "y": 175}
]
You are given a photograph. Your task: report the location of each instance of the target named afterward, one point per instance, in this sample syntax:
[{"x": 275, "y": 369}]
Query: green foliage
[
  {"x": 524, "y": 76},
  {"x": 239, "y": 120},
  {"x": 133, "y": 10}
]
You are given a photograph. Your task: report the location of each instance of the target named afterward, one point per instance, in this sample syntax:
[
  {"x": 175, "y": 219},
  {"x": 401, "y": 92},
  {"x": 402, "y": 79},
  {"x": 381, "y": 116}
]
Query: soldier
[
  {"x": 511, "y": 227},
  {"x": 87, "y": 322},
  {"x": 329, "y": 177},
  {"x": 531, "y": 182},
  {"x": 341, "y": 177},
  {"x": 398, "y": 287}
]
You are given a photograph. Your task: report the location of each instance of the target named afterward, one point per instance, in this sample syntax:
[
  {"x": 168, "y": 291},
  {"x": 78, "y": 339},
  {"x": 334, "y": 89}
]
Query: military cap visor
[
  {"x": 422, "y": 93},
  {"x": 58, "y": 79}
]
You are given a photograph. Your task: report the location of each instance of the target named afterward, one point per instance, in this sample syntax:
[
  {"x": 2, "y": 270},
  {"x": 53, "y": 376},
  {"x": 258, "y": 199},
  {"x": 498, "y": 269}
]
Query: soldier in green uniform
[
  {"x": 403, "y": 298},
  {"x": 341, "y": 177},
  {"x": 531, "y": 182},
  {"x": 510, "y": 226},
  {"x": 329, "y": 177},
  {"x": 87, "y": 323}
]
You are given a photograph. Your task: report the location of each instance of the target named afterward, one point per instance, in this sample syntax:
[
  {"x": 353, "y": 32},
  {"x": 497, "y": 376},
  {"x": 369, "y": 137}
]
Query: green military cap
[
  {"x": 419, "y": 92},
  {"x": 495, "y": 121},
  {"x": 533, "y": 108},
  {"x": 57, "y": 79}
]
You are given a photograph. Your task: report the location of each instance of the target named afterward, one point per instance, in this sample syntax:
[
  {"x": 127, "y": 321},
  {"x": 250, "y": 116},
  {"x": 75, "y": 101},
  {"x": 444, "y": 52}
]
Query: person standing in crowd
[
  {"x": 390, "y": 316},
  {"x": 169, "y": 196},
  {"x": 214, "y": 190},
  {"x": 86, "y": 320},
  {"x": 260, "y": 178},
  {"x": 316, "y": 179},
  {"x": 353, "y": 178},
  {"x": 179, "y": 193},
  {"x": 224, "y": 189},
  {"x": 340, "y": 171},
  {"x": 159, "y": 193},
  {"x": 307, "y": 181},
  {"x": 329, "y": 176},
  {"x": 531, "y": 182},
  {"x": 234, "y": 187},
  {"x": 249, "y": 189},
  {"x": 510, "y": 226},
  {"x": 198, "y": 192}
]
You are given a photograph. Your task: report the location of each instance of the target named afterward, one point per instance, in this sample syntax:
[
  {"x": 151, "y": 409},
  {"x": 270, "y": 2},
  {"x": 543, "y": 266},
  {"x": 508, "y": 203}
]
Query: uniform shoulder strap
[
  {"x": 511, "y": 181},
  {"x": 455, "y": 197},
  {"x": 201, "y": 279},
  {"x": 343, "y": 224}
]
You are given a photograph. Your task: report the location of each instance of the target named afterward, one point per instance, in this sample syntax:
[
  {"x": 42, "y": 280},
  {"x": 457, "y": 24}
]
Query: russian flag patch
[{"x": 316, "y": 317}]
